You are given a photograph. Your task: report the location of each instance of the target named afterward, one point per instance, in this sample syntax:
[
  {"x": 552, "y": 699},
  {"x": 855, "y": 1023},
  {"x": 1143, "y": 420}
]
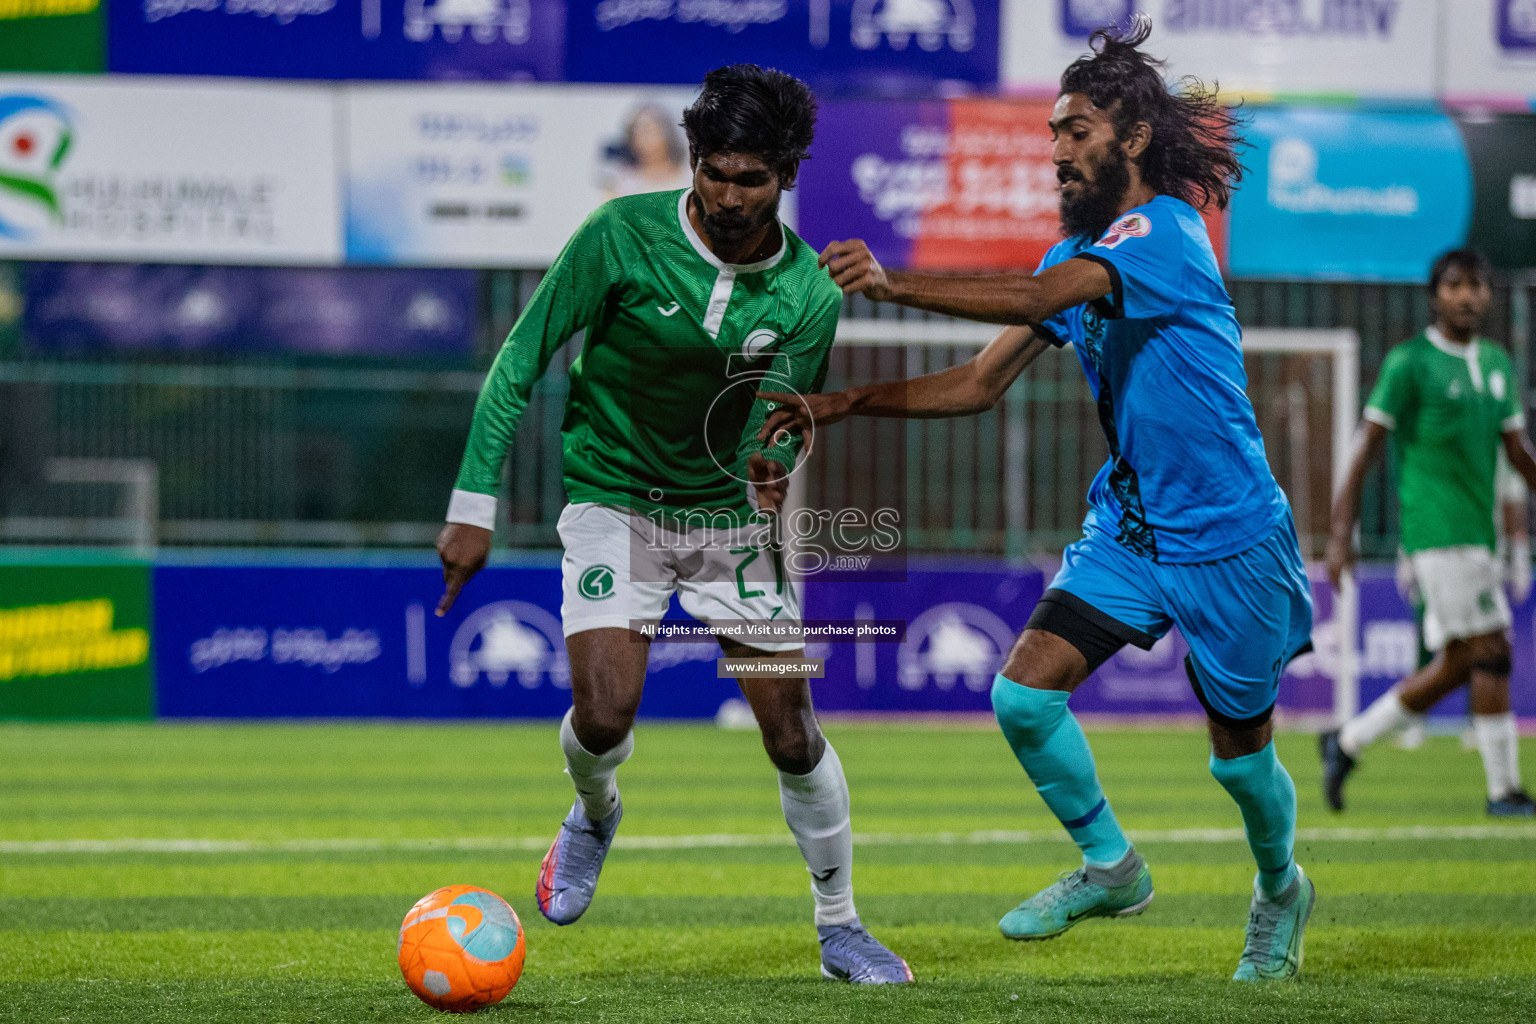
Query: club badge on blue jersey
[{"x": 1132, "y": 225}]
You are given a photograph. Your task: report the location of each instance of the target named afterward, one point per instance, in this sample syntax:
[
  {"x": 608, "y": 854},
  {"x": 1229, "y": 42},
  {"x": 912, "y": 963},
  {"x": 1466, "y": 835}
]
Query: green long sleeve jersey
[{"x": 663, "y": 411}]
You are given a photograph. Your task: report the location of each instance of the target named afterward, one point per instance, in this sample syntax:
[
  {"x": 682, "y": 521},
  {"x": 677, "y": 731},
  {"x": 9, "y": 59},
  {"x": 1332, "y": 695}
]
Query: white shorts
[
  {"x": 619, "y": 571},
  {"x": 1463, "y": 593}
]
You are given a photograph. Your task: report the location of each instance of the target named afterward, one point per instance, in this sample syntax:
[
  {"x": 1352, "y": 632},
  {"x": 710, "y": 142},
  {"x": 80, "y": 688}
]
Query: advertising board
[{"x": 168, "y": 171}]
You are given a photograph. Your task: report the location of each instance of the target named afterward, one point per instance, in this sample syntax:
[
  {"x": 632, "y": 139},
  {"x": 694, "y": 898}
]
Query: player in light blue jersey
[{"x": 1186, "y": 525}]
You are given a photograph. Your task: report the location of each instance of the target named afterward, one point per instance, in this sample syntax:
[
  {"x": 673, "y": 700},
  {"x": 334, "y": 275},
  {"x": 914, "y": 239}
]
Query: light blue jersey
[{"x": 1187, "y": 480}]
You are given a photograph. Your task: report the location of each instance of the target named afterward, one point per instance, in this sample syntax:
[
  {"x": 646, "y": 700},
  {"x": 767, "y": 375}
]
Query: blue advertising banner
[
  {"x": 334, "y": 641},
  {"x": 1347, "y": 194},
  {"x": 95, "y": 307},
  {"x": 954, "y": 647},
  {"x": 962, "y": 620},
  {"x": 874, "y": 47},
  {"x": 483, "y": 40},
  {"x": 351, "y": 641}
]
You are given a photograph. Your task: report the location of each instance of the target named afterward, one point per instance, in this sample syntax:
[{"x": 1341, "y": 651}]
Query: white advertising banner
[
  {"x": 1490, "y": 51},
  {"x": 150, "y": 171},
  {"x": 498, "y": 175},
  {"x": 1257, "y": 48}
]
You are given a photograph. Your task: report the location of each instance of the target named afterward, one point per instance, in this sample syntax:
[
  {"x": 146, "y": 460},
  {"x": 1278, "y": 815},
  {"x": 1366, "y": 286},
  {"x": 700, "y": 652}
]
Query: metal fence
[{"x": 342, "y": 454}]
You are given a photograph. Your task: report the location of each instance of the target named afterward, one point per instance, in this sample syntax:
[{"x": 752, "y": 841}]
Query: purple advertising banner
[
  {"x": 264, "y": 641},
  {"x": 327, "y": 640},
  {"x": 962, "y": 619},
  {"x": 488, "y": 40},
  {"x": 946, "y": 185},
  {"x": 953, "y": 648},
  {"x": 95, "y": 307},
  {"x": 867, "y": 47},
  {"x": 874, "y": 168}
]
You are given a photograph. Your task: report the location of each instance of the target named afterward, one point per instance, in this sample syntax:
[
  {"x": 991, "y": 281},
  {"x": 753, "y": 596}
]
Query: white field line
[{"x": 724, "y": 840}]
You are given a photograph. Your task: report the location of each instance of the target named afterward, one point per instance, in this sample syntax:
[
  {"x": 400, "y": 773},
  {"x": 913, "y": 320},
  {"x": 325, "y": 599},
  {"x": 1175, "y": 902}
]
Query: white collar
[
  {"x": 715, "y": 261},
  {"x": 1438, "y": 339}
]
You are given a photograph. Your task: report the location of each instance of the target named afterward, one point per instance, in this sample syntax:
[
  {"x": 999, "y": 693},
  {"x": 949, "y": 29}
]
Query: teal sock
[
  {"x": 1050, "y": 744},
  {"x": 1267, "y": 797}
]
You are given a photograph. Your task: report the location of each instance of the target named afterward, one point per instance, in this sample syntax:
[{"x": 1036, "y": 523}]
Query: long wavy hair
[{"x": 1196, "y": 140}]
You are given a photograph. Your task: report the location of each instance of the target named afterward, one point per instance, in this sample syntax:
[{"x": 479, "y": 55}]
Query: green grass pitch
[{"x": 317, "y": 838}]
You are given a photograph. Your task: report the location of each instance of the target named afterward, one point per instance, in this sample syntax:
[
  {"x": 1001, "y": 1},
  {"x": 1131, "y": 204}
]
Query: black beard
[
  {"x": 1098, "y": 202},
  {"x": 732, "y": 228}
]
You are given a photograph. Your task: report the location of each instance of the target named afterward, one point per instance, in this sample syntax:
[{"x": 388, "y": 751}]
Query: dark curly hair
[
  {"x": 1193, "y": 154},
  {"x": 1469, "y": 261},
  {"x": 748, "y": 109}
]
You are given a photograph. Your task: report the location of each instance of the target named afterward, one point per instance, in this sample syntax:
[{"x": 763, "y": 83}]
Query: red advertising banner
[{"x": 999, "y": 206}]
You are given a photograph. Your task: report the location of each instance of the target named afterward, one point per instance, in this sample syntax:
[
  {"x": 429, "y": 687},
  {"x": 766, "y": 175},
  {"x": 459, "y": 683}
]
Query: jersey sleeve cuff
[
  {"x": 1114, "y": 308},
  {"x": 472, "y": 509},
  {"x": 1380, "y": 418},
  {"x": 1049, "y": 335},
  {"x": 1515, "y": 422}
]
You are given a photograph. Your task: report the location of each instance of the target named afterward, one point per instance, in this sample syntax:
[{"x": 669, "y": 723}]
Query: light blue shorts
[{"x": 1244, "y": 616}]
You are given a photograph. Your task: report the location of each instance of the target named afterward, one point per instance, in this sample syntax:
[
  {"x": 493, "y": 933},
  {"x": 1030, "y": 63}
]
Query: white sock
[
  {"x": 816, "y": 810},
  {"x": 593, "y": 773},
  {"x": 1370, "y": 725},
  {"x": 1499, "y": 742}
]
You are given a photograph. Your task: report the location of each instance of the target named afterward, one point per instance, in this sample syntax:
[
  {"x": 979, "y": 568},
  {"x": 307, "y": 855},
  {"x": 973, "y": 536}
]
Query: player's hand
[
  {"x": 1519, "y": 569},
  {"x": 854, "y": 269},
  {"x": 771, "y": 480},
  {"x": 463, "y": 549},
  {"x": 1341, "y": 556},
  {"x": 1407, "y": 583},
  {"x": 800, "y": 414}
]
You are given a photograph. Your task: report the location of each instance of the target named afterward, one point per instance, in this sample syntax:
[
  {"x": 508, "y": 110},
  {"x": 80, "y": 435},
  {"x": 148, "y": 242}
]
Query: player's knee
[
  {"x": 1233, "y": 773},
  {"x": 1026, "y": 714},
  {"x": 1026, "y": 667},
  {"x": 599, "y": 732},
  {"x": 795, "y": 751},
  {"x": 1491, "y": 654}
]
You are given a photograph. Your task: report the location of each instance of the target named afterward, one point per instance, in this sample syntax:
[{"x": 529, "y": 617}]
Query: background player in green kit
[
  {"x": 1451, "y": 399},
  {"x": 690, "y": 300}
]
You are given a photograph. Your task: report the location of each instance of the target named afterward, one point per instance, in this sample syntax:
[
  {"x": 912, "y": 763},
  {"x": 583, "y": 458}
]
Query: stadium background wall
[{"x": 273, "y": 635}]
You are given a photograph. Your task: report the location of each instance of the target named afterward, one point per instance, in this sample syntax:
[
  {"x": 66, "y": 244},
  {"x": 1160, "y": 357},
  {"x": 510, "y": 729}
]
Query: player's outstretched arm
[
  {"x": 1013, "y": 298},
  {"x": 1370, "y": 439},
  {"x": 964, "y": 390},
  {"x": 1522, "y": 456},
  {"x": 565, "y": 301}
]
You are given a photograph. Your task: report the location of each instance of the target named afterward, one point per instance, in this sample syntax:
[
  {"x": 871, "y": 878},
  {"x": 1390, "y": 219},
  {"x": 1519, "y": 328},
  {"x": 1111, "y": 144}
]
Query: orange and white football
[{"x": 461, "y": 948}]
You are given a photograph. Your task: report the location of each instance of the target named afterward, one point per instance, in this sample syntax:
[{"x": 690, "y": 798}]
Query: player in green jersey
[
  {"x": 690, "y": 300},
  {"x": 1452, "y": 400}
]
